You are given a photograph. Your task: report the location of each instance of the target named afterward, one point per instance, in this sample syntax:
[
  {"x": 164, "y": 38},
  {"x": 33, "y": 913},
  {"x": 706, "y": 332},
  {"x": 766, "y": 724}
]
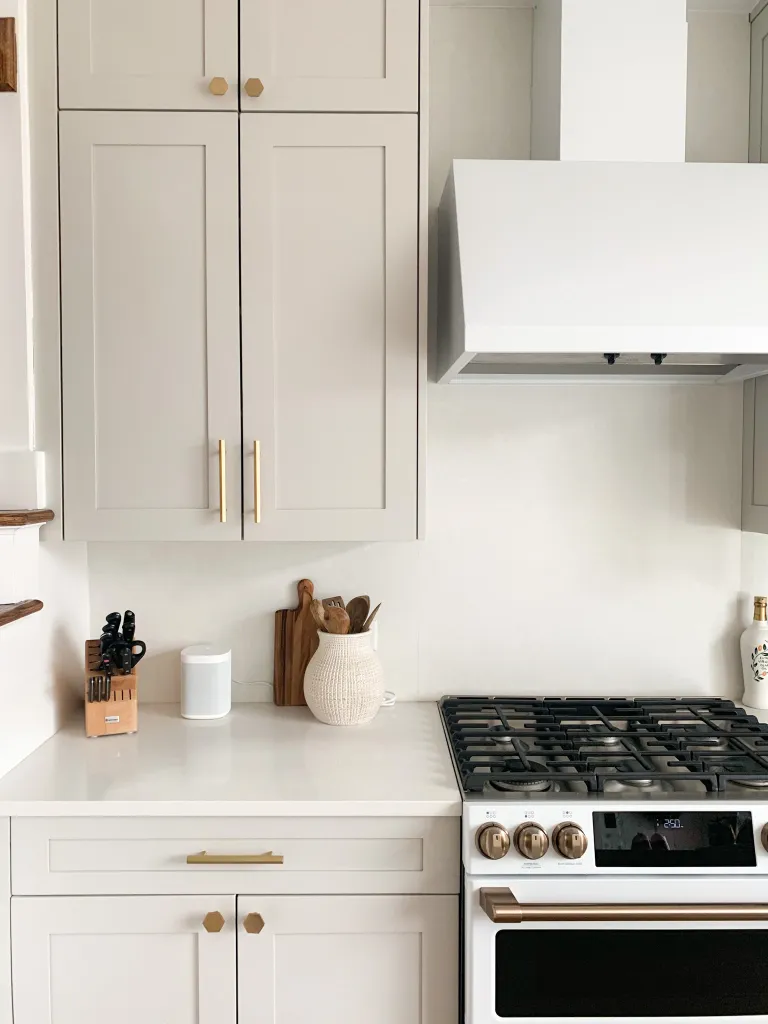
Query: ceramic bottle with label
[{"x": 754, "y": 658}]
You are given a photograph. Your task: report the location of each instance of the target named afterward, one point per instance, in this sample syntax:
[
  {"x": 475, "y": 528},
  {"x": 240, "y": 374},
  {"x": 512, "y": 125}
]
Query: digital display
[{"x": 648, "y": 839}]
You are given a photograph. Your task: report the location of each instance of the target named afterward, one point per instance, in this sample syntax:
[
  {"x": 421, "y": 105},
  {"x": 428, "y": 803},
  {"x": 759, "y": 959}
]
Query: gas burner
[
  {"x": 592, "y": 744},
  {"x": 755, "y": 783}
]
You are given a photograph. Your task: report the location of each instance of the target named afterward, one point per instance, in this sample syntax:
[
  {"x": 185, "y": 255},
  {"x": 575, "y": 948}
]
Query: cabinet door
[
  {"x": 330, "y": 348},
  {"x": 336, "y": 55},
  {"x": 346, "y": 959},
  {"x": 150, "y": 325},
  {"x": 147, "y": 54},
  {"x": 758, "y": 106},
  {"x": 123, "y": 959}
]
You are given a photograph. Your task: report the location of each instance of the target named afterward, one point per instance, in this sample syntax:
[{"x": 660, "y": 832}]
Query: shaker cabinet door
[
  {"x": 147, "y": 54},
  {"x": 347, "y": 959},
  {"x": 339, "y": 55},
  {"x": 124, "y": 959},
  {"x": 150, "y": 326},
  {"x": 329, "y": 305},
  {"x": 758, "y": 106}
]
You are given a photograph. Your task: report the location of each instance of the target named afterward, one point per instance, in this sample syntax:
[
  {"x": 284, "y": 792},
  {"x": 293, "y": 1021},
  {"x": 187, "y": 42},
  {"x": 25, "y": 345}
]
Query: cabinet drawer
[{"x": 96, "y": 856}]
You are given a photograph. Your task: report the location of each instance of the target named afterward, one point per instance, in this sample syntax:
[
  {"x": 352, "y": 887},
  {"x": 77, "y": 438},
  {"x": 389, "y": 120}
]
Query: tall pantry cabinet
[{"x": 240, "y": 269}]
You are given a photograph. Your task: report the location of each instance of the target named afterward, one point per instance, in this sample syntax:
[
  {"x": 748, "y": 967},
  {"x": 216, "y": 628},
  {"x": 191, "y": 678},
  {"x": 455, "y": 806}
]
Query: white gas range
[{"x": 615, "y": 859}]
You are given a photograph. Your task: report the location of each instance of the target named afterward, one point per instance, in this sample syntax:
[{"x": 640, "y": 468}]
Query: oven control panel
[{"x": 615, "y": 838}]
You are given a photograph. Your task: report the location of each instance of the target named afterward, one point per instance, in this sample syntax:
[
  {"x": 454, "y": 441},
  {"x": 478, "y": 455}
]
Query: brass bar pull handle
[
  {"x": 257, "y": 482},
  {"x": 502, "y": 908},
  {"x": 222, "y": 481},
  {"x": 235, "y": 858}
]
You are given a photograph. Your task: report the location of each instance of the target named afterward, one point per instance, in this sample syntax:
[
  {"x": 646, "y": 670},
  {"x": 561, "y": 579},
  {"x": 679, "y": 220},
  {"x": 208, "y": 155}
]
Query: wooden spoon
[
  {"x": 333, "y": 602},
  {"x": 337, "y": 621},
  {"x": 369, "y": 621},
  {"x": 357, "y": 610},
  {"x": 318, "y": 614}
]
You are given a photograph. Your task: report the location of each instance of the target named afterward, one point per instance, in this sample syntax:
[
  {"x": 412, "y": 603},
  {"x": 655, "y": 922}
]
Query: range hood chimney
[
  {"x": 606, "y": 247},
  {"x": 609, "y": 80}
]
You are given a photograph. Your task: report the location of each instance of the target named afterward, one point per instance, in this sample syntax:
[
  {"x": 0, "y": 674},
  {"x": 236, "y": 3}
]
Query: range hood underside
[{"x": 584, "y": 367}]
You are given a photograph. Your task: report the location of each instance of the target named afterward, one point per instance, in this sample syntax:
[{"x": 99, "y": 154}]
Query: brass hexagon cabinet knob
[
  {"x": 214, "y": 921},
  {"x": 253, "y": 923},
  {"x": 219, "y": 86},
  {"x": 254, "y": 87}
]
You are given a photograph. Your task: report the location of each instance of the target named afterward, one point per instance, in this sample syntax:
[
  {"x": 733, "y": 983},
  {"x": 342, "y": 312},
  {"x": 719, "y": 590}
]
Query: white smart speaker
[{"x": 206, "y": 681}]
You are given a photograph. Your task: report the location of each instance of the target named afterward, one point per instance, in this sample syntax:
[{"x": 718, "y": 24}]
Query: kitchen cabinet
[
  {"x": 84, "y": 960},
  {"x": 341, "y": 55},
  {"x": 758, "y": 104},
  {"x": 148, "y": 54},
  {"x": 754, "y": 508},
  {"x": 339, "y": 960},
  {"x": 173, "y": 55},
  {"x": 329, "y": 325},
  {"x": 150, "y": 325}
]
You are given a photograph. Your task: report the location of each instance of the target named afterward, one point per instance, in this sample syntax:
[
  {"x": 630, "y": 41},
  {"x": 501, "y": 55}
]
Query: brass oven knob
[
  {"x": 570, "y": 841},
  {"x": 764, "y": 837},
  {"x": 493, "y": 841},
  {"x": 531, "y": 841}
]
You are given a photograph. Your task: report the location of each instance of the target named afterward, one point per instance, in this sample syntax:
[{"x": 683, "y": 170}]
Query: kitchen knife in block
[{"x": 295, "y": 643}]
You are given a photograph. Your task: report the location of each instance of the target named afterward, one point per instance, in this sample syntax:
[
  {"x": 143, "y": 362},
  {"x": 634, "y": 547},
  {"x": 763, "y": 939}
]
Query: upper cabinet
[
  {"x": 148, "y": 54},
  {"x": 339, "y": 55},
  {"x": 758, "y": 106},
  {"x": 329, "y": 325},
  {"x": 150, "y": 326}
]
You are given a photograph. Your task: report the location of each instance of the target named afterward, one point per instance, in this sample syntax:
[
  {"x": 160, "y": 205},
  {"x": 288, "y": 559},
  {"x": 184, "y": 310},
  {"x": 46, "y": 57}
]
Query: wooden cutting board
[{"x": 295, "y": 643}]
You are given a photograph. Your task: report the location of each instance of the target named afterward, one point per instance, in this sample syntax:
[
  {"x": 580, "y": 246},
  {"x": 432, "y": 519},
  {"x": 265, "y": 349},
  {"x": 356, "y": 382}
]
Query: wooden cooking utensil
[
  {"x": 318, "y": 614},
  {"x": 369, "y": 621},
  {"x": 333, "y": 602},
  {"x": 295, "y": 642},
  {"x": 336, "y": 621},
  {"x": 357, "y": 610}
]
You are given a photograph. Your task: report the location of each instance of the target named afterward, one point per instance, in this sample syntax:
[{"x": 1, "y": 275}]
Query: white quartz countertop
[{"x": 260, "y": 760}]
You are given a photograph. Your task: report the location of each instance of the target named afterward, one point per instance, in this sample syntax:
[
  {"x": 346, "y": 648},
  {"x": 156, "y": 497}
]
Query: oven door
[{"x": 636, "y": 950}]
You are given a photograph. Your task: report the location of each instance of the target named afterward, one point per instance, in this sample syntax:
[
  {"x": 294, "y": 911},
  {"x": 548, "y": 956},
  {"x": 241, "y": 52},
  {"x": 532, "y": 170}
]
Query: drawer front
[{"x": 112, "y": 856}]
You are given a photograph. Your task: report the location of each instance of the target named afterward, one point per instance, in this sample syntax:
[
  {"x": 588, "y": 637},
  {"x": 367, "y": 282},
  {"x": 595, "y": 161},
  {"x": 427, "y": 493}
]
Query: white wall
[
  {"x": 579, "y": 539},
  {"x": 40, "y": 656},
  {"x": 15, "y": 398},
  {"x": 718, "y": 88}
]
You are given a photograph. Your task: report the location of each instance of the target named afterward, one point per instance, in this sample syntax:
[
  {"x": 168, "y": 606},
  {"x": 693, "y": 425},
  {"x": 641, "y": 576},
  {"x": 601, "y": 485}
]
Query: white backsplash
[{"x": 579, "y": 539}]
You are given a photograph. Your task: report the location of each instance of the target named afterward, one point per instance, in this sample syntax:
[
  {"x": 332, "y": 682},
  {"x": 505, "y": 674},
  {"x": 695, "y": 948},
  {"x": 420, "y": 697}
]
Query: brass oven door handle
[
  {"x": 222, "y": 481},
  {"x": 235, "y": 858},
  {"x": 502, "y": 908},
  {"x": 257, "y": 482}
]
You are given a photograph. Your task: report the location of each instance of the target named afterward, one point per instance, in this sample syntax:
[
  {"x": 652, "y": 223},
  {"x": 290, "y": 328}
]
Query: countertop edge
[{"x": 233, "y": 809}]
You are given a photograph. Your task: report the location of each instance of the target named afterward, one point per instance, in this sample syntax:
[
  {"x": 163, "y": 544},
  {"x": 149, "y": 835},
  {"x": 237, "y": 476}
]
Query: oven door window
[{"x": 631, "y": 972}]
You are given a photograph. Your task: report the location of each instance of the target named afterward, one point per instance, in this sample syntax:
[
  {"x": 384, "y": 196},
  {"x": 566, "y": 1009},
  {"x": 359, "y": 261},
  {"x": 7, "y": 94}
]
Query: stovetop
[{"x": 506, "y": 747}]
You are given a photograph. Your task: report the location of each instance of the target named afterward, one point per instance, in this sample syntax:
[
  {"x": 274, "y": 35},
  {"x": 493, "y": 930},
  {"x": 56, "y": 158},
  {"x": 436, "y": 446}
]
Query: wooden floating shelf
[
  {"x": 25, "y": 517},
  {"x": 11, "y": 612}
]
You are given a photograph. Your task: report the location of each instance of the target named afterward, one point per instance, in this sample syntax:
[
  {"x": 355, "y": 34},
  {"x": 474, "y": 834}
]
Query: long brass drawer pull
[
  {"x": 502, "y": 908},
  {"x": 257, "y": 482},
  {"x": 235, "y": 858},
  {"x": 222, "y": 481}
]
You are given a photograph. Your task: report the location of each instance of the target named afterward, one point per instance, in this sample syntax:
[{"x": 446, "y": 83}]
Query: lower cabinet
[
  {"x": 273, "y": 959},
  {"x": 347, "y": 959},
  {"x": 123, "y": 959}
]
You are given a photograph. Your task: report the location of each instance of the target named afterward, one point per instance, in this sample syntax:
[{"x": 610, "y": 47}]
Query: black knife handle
[{"x": 129, "y": 626}]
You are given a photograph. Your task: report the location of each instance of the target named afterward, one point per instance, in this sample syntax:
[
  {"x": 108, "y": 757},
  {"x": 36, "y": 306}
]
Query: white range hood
[{"x": 610, "y": 257}]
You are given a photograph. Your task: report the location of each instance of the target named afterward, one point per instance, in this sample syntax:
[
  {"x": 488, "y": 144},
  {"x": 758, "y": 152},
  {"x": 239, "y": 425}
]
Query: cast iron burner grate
[{"x": 591, "y": 741}]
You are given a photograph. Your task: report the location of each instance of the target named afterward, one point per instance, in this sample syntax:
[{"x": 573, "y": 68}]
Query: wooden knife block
[{"x": 119, "y": 714}]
